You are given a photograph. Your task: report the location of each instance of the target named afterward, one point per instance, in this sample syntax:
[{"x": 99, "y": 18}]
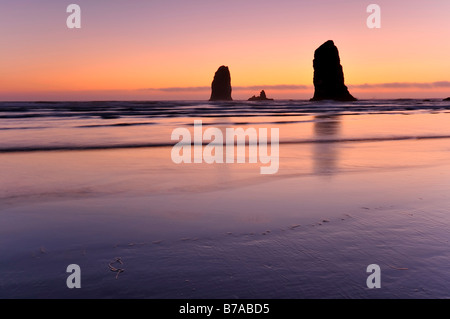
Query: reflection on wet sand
[{"x": 326, "y": 155}]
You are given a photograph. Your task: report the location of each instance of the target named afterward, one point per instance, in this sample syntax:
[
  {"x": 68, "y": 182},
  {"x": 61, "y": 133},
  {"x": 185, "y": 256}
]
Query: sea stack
[
  {"x": 221, "y": 85},
  {"x": 328, "y": 75},
  {"x": 447, "y": 99},
  {"x": 262, "y": 97}
]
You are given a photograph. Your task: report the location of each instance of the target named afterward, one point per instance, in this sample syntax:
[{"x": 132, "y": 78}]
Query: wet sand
[{"x": 225, "y": 231}]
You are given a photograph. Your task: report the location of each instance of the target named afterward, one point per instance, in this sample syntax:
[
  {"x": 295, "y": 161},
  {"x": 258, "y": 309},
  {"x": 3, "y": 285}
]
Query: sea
[
  {"x": 94, "y": 184},
  {"x": 45, "y": 126}
]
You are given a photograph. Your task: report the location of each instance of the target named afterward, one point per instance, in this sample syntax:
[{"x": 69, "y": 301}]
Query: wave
[
  {"x": 156, "y": 109},
  {"x": 116, "y": 125},
  {"x": 53, "y": 148},
  {"x": 24, "y": 128}
]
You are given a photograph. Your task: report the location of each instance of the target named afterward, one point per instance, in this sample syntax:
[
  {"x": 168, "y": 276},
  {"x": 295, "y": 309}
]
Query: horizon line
[
  {"x": 275, "y": 87},
  {"x": 289, "y": 87}
]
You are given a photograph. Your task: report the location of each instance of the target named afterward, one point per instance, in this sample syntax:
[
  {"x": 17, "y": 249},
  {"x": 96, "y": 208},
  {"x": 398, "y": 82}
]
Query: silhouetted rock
[
  {"x": 221, "y": 85},
  {"x": 328, "y": 75},
  {"x": 447, "y": 99},
  {"x": 262, "y": 97}
]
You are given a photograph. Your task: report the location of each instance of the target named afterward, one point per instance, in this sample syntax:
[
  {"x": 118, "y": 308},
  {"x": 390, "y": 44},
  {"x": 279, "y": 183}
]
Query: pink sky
[{"x": 171, "y": 49}]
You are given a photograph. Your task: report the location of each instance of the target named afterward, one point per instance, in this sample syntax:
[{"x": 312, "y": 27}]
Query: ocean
[
  {"x": 44, "y": 126},
  {"x": 358, "y": 184}
]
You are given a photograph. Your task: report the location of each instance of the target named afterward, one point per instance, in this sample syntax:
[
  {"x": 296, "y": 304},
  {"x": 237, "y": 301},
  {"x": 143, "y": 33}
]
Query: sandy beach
[{"x": 226, "y": 231}]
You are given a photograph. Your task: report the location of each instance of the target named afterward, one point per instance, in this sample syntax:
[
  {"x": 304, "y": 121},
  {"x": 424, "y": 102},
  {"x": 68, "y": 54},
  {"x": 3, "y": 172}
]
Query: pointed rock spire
[
  {"x": 221, "y": 85},
  {"x": 328, "y": 75}
]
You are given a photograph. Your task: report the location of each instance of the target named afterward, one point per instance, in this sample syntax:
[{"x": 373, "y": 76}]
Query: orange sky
[{"x": 133, "y": 49}]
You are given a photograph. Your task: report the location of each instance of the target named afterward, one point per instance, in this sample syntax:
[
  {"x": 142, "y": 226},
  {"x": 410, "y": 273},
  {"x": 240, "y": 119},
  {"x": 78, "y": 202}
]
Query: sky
[{"x": 170, "y": 49}]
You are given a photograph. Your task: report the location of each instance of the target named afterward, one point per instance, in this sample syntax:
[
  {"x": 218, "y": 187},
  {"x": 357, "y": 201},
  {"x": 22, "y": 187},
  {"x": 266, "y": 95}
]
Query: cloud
[
  {"x": 402, "y": 85},
  {"x": 281, "y": 87},
  {"x": 290, "y": 87},
  {"x": 178, "y": 89}
]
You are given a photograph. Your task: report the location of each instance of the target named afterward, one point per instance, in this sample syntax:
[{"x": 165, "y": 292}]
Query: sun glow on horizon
[{"x": 135, "y": 49}]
